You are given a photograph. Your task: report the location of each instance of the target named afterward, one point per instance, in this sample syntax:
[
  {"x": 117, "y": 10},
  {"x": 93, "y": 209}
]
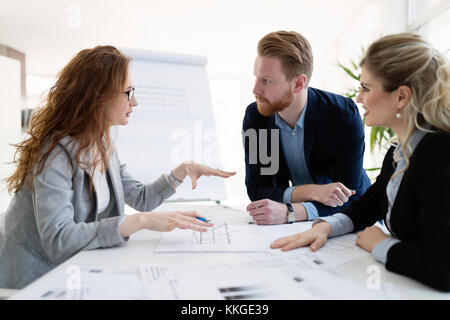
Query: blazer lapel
[
  {"x": 116, "y": 181},
  {"x": 311, "y": 120}
]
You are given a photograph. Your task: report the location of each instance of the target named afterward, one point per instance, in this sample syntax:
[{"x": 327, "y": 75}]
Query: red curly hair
[{"x": 75, "y": 106}]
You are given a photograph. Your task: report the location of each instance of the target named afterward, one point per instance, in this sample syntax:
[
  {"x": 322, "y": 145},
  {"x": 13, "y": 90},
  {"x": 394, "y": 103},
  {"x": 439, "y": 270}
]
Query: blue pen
[{"x": 202, "y": 219}]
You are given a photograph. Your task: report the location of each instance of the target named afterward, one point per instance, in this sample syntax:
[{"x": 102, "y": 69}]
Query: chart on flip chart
[{"x": 172, "y": 122}]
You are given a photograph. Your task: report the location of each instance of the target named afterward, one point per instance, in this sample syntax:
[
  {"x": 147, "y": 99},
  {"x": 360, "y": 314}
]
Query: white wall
[{"x": 10, "y": 120}]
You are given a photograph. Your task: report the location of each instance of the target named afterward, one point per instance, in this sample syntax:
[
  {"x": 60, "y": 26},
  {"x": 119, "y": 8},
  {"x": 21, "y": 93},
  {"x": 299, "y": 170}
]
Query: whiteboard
[{"x": 173, "y": 122}]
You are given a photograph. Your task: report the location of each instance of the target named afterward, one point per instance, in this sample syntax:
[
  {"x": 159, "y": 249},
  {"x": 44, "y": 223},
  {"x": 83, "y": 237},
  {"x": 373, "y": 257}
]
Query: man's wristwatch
[{"x": 290, "y": 214}]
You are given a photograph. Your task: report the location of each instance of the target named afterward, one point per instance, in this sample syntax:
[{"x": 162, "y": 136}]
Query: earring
[{"x": 398, "y": 115}]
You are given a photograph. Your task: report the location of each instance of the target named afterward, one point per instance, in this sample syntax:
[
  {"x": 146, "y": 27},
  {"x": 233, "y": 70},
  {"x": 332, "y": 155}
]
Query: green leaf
[
  {"x": 349, "y": 72},
  {"x": 372, "y": 169},
  {"x": 380, "y": 136},
  {"x": 373, "y": 137}
]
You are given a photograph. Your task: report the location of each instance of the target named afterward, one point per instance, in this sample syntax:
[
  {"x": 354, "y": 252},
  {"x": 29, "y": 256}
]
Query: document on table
[
  {"x": 240, "y": 237},
  {"x": 276, "y": 231},
  {"x": 83, "y": 283},
  {"x": 271, "y": 278},
  {"x": 213, "y": 281},
  {"x": 223, "y": 237},
  {"x": 159, "y": 281},
  {"x": 336, "y": 250}
]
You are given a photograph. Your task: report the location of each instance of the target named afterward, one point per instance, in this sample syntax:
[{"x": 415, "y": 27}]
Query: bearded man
[{"x": 316, "y": 137}]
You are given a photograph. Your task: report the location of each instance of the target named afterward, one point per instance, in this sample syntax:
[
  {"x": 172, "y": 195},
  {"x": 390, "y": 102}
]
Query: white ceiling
[{"x": 219, "y": 29}]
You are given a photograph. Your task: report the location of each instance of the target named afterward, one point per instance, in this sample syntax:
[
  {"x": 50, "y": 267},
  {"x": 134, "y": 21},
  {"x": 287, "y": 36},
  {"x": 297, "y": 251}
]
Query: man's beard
[{"x": 267, "y": 109}]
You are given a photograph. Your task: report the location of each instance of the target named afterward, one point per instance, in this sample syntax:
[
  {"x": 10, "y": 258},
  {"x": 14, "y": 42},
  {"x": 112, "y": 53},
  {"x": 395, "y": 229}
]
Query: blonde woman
[
  {"x": 69, "y": 185},
  {"x": 405, "y": 85}
]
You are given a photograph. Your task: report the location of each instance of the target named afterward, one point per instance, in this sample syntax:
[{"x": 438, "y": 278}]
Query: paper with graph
[{"x": 223, "y": 237}]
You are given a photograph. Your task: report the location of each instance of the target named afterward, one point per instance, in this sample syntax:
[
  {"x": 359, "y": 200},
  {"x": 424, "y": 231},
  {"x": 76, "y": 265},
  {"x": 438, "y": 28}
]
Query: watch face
[{"x": 291, "y": 216}]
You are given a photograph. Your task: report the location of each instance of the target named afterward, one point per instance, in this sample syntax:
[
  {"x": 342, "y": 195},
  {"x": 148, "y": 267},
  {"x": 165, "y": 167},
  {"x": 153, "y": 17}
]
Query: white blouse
[
  {"x": 102, "y": 190},
  {"x": 100, "y": 182}
]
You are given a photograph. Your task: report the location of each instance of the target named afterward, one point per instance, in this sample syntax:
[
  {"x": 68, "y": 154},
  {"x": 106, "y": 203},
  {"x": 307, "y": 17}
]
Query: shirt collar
[
  {"x": 412, "y": 143},
  {"x": 280, "y": 123}
]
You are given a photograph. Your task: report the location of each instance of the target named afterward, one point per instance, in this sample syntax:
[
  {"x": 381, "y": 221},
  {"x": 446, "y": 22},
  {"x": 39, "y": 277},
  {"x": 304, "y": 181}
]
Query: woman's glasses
[{"x": 130, "y": 93}]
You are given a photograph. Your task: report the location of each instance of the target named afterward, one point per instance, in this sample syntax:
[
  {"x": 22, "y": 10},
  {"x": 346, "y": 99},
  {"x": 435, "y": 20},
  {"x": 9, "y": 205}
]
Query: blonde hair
[
  {"x": 408, "y": 59},
  {"x": 293, "y": 50}
]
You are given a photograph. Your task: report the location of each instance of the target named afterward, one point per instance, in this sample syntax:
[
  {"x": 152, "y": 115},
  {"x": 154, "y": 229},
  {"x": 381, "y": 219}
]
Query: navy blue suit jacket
[{"x": 333, "y": 147}]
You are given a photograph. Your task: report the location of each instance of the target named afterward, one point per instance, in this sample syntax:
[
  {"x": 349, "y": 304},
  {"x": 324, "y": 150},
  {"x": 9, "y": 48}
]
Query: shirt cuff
[
  {"x": 287, "y": 195},
  {"x": 109, "y": 232},
  {"x": 380, "y": 251},
  {"x": 163, "y": 187},
  {"x": 122, "y": 219},
  {"x": 311, "y": 210},
  {"x": 340, "y": 224}
]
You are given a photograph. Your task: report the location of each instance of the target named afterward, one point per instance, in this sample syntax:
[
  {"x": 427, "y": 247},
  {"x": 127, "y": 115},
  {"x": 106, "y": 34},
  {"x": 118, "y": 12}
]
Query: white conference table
[{"x": 141, "y": 248}]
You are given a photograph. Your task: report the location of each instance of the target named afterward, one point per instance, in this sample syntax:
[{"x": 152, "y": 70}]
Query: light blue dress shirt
[{"x": 294, "y": 153}]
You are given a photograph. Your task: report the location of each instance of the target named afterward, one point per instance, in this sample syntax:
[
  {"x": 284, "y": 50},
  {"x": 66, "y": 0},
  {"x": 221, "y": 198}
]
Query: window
[{"x": 431, "y": 18}]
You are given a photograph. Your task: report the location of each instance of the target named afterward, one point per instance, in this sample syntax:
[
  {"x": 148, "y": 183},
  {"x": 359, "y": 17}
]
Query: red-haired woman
[{"x": 69, "y": 185}]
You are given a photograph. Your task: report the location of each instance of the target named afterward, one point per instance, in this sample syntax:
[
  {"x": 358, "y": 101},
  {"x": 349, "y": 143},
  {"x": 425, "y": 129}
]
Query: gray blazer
[{"x": 56, "y": 218}]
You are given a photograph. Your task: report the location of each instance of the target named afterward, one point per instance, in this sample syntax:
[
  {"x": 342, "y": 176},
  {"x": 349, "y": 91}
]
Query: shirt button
[{"x": 293, "y": 133}]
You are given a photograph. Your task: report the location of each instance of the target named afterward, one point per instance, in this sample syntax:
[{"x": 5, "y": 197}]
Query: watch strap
[
  {"x": 290, "y": 207},
  {"x": 291, "y": 216}
]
